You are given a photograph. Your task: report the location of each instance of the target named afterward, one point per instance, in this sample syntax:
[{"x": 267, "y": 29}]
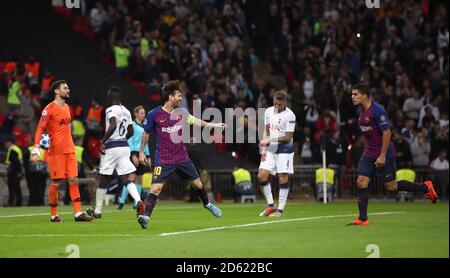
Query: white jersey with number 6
[
  {"x": 117, "y": 151},
  {"x": 123, "y": 120}
]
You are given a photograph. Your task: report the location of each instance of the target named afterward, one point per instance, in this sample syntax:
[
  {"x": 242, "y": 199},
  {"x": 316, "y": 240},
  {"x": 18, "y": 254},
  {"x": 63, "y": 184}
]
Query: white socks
[
  {"x": 282, "y": 199},
  {"x": 99, "y": 198},
  {"x": 133, "y": 192},
  {"x": 267, "y": 192}
]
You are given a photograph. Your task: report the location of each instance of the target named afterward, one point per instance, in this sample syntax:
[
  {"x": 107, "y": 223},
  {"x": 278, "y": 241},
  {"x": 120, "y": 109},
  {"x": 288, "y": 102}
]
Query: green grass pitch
[{"x": 186, "y": 230}]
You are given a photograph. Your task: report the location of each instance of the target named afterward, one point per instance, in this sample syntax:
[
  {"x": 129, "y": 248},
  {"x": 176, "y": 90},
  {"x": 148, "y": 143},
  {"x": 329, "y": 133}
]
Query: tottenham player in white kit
[
  {"x": 116, "y": 152},
  {"x": 277, "y": 152}
]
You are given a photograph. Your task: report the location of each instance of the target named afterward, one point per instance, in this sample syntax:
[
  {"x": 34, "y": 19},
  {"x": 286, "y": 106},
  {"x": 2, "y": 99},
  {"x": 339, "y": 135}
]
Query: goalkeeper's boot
[
  {"x": 91, "y": 212},
  {"x": 276, "y": 213},
  {"x": 143, "y": 220},
  {"x": 83, "y": 218},
  {"x": 359, "y": 222},
  {"x": 140, "y": 208},
  {"x": 431, "y": 194},
  {"x": 214, "y": 210},
  {"x": 56, "y": 219},
  {"x": 268, "y": 211}
]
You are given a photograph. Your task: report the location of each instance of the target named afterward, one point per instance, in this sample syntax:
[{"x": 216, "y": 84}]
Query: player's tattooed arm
[
  {"x": 142, "y": 157},
  {"x": 108, "y": 133}
]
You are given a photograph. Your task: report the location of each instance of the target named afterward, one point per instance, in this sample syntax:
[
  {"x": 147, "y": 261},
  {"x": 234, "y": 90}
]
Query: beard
[{"x": 66, "y": 98}]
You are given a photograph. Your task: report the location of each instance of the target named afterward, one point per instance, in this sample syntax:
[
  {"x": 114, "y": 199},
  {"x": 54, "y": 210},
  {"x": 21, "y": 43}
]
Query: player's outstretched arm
[{"x": 202, "y": 123}]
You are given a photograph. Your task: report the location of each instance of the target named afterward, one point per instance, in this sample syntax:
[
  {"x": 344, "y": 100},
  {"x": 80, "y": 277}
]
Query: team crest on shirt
[
  {"x": 366, "y": 120},
  {"x": 44, "y": 113}
]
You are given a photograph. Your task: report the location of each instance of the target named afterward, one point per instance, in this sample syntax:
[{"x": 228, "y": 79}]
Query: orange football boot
[
  {"x": 358, "y": 222},
  {"x": 431, "y": 194}
]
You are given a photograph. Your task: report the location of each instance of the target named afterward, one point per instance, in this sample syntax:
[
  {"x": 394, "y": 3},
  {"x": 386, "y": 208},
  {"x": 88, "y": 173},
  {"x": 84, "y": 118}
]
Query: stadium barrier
[{"x": 302, "y": 184}]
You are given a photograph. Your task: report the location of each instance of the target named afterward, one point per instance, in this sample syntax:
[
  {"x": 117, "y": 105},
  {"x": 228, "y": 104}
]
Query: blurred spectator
[
  {"x": 403, "y": 157},
  {"x": 27, "y": 117},
  {"x": 122, "y": 54},
  {"x": 14, "y": 172},
  {"x": 242, "y": 183},
  {"x": 32, "y": 71},
  {"x": 306, "y": 151},
  {"x": 94, "y": 118},
  {"x": 420, "y": 150},
  {"x": 440, "y": 174},
  {"x": 413, "y": 106},
  {"x": 336, "y": 150},
  {"x": 326, "y": 125}
]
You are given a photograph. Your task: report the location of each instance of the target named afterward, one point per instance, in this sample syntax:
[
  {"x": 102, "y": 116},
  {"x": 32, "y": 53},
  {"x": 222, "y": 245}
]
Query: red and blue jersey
[
  {"x": 168, "y": 130},
  {"x": 373, "y": 122}
]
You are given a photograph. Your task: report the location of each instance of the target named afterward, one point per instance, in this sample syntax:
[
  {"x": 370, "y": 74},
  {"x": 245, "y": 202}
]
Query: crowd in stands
[{"x": 238, "y": 53}]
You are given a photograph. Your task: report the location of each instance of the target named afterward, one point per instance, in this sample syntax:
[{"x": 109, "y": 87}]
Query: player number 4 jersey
[
  {"x": 123, "y": 120},
  {"x": 279, "y": 124}
]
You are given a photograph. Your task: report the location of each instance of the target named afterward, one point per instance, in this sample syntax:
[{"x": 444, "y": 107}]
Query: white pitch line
[
  {"x": 273, "y": 222},
  {"x": 200, "y": 230}
]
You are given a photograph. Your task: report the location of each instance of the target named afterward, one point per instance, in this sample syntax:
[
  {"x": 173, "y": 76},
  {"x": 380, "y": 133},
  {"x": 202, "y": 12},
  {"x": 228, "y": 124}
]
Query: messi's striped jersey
[{"x": 168, "y": 130}]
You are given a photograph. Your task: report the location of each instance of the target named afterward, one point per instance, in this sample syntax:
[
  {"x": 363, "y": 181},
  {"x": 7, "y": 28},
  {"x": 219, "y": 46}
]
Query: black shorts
[
  {"x": 367, "y": 168},
  {"x": 185, "y": 170},
  {"x": 140, "y": 169}
]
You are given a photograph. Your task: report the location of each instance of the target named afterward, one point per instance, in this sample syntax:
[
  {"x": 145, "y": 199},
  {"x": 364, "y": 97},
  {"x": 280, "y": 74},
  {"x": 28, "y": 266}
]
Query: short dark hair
[
  {"x": 362, "y": 88},
  {"x": 57, "y": 84},
  {"x": 280, "y": 95},
  {"x": 114, "y": 93},
  {"x": 169, "y": 89}
]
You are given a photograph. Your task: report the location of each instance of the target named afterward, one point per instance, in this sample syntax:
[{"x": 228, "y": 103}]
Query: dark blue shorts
[
  {"x": 185, "y": 170},
  {"x": 366, "y": 167}
]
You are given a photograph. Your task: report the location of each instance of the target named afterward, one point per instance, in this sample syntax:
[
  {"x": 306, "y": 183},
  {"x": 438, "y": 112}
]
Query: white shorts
[
  {"x": 278, "y": 163},
  {"x": 116, "y": 158}
]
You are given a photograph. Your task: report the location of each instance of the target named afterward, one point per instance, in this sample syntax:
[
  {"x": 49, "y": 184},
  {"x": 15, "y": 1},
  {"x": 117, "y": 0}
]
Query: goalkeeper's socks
[
  {"x": 75, "y": 197},
  {"x": 411, "y": 186},
  {"x": 267, "y": 191},
  {"x": 124, "y": 196},
  {"x": 363, "y": 202},
  {"x": 282, "y": 199},
  {"x": 150, "y": 203},
  {"x": 53, "y": 199},
  {"x": 203, "y": 196}
]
